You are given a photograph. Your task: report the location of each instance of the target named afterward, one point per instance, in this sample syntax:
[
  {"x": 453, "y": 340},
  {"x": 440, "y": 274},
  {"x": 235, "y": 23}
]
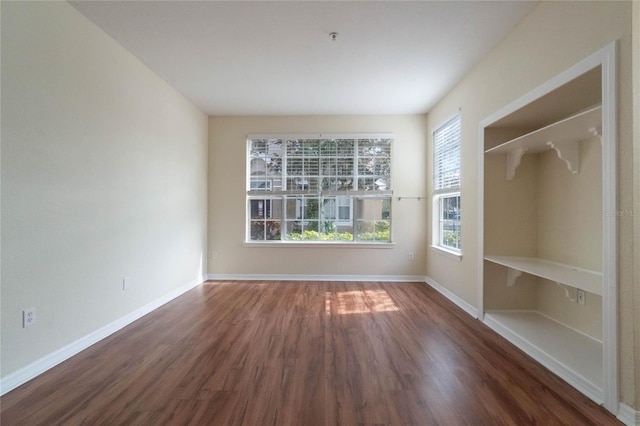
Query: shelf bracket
[
  {"x": 569, "y": 152},
  {"x": 596, "y": 133},
  {"x": 513, "y": 161},
  {"x": 512, "y": 276}
]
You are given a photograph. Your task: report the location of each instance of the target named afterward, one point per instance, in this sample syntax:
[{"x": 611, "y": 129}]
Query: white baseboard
[
  {"x": 628, "y": 415},
  {"x": 293, "y": 277},
  {"x": 462, "y": 304},
  {"x": 23, "y": 375}
]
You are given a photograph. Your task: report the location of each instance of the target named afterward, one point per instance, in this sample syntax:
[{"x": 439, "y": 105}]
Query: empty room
[{"x": 320, "y": 212}]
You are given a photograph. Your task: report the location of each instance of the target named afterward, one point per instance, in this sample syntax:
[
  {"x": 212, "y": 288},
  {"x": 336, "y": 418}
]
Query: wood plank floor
[{"x": 302, "y": 353}]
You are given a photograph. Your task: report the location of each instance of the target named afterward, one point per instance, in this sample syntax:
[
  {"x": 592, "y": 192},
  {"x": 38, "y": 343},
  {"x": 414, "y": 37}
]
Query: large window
[
  {"x": 321, "y": 188},
  {"x": 446, "y": 186}
]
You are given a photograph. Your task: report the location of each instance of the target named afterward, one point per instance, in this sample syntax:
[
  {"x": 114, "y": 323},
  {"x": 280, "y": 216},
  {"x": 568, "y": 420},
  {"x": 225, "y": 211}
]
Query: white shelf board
[
  {"x": 563, "y": 274},
  {"x": 575, "y": 357},
  {"x": 576, "y": 128}
]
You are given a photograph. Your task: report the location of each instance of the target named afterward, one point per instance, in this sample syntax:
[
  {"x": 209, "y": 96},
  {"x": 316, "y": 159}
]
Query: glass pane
[
  {"x": 258, "y": 209},
  {"x": 327, "y": 228},
  {"x": 294, "y": 167},
  {"x": 386, "y": 209},
  {"x": 374, "y": 219},
  {"x": 312, "y": 184},
  {"x": 311, "y": 147},
  {"x": 258, "y": 148},
  {"x": 310, "y": 225},
  {"x": 266, "y": 209},
  {"x": 345, "y": 147},
  {"x": 344, "y": 231},
  {"x": 329, "y": 184},
  {"x": 450, "y": 222},
  {"x": 344, "y": 213},
  {"x": 366, "y": 184},
  {"x": 329, "y": 208},
  {"x": 257, "y": 230},
  {"x": 311, "y": 167},
  {"x": 328, "y": 147},
  {"x": 293, "y": 230},
  {"x": 293, "y": 207},
  {"x": 294, "y": 148},
  {"x": 310, "y": 208},
  {"x": 272, "y": 229},
  {"x": 260, "y": 184},
  {"x": 275, "y": 209},
  {"x": 365, "y": 166},
  {"x": 383, "y": 167},
  {"x": 344, "y": 184},
  {"x": 344, "y": 167},
  {"x": 274, "y": 166},
  {"x": 365, "y": 147},
  {"x": 258, "y": 167}
]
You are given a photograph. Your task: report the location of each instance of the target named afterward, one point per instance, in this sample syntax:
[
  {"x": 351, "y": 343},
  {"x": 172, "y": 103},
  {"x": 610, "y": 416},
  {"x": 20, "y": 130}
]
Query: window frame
[
  {"x": 444, "y": 186},
  {"x": 277, "y": 187}
]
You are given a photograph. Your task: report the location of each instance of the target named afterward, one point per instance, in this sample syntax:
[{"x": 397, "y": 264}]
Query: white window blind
[{"x": 446, "y": 156}]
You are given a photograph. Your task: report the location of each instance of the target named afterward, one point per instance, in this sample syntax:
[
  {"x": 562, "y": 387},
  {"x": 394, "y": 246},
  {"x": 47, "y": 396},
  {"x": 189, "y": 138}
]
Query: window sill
[
  {"x": 447, "y": 253},
  {"x": 321, "y": 244}
]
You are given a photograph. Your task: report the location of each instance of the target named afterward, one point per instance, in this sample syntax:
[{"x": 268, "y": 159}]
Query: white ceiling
[{"x": 277, "y": 58}]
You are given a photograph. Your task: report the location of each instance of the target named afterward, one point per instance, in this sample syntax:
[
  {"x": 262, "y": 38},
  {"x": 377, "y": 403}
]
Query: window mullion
[
  {"x": 355, "y": 220},
  {"x": 355, "y": 164},
  {"x": 283, "y": 172}
]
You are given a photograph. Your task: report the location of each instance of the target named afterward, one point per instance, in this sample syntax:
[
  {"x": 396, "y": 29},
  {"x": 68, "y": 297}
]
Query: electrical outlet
[
  {"x": 28, "y": 317},
  {"x": 214, "y": 255},
  {"x": 580, "y": 297},
  {"x": 410, "y": 256},
  {"x": 126, "y": 283}
]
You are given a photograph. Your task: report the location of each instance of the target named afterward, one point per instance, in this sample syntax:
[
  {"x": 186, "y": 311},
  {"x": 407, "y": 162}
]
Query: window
[
  {"x": 321, "y": 188},
  {"x": 446, "y": 186}
]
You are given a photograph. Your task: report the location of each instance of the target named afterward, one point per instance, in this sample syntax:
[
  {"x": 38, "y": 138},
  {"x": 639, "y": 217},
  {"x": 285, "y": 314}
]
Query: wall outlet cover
[{"x": 28, "y": 317}]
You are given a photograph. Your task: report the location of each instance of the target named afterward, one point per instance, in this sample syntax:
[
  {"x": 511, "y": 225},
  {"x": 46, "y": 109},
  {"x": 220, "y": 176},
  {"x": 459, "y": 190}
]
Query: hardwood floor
[{"x": 302, "y": 353}]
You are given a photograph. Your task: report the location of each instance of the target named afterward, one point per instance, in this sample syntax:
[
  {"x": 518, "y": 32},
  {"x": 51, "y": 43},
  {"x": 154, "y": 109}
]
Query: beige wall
[
  {"x": 552, "y": 38},
  {"x": 227, "y": 200},
  {"x": 103, "y": 176}
]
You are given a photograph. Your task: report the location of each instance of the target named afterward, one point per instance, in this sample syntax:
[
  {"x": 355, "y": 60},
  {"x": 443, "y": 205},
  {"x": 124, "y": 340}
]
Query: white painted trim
[
  {"x": 607, "y": 59},
  {"x": 480, "y": 211},
  {"x": 585, "y": 386},
  {"x": 364, "y": 135},
  {"x": 628, "y": 415},
  {"x": 608, "y": 56},
  {"x": 447, "y": 253},
  {"x": 294, "y": 277},
  {"x": 318, "y": 244},
  {"x": 31, "y": 371},
  {"x": 462, "y": 304}
]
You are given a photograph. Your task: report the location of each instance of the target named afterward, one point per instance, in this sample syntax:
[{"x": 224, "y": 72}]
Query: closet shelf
[
  {"x": 560, "y": 273},
  {"x": 563, "y": 136},
  {"x": 572, "y": 355}
]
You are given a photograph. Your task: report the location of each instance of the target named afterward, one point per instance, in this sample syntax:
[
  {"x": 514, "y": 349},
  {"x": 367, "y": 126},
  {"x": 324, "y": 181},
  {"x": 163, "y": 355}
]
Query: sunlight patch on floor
[{"x": 359, "y": 302}]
